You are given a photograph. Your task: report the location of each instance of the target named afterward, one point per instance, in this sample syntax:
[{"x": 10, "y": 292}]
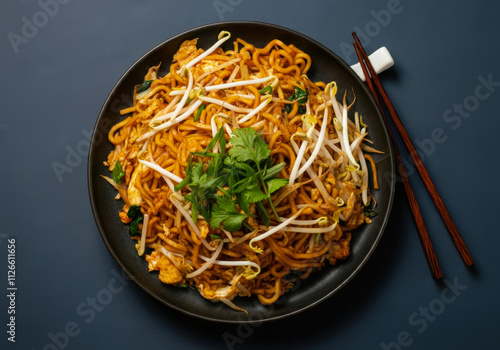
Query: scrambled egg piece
[
  {"x": 187, "y": 52},
  {"x": 169, "y": 274},
  {"x": 123, "y": 215},
  {"x": 133, "y": 192},
  {"x": 219, "y": 291}
]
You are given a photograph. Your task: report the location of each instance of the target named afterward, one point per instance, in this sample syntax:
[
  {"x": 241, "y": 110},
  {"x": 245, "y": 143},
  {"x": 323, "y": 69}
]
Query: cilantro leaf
[
  {"x": 248, "y": 145},
  {"x": 197, "y": 174},
  {"x": 225, "y": 211},
  {"x": 275, "y": 184},
  {"x": 253, "y": 194},
  {"x": 242, "y": 201},
  {"x": 244, "y": 175},
  {"x": 118, "y": 172}
]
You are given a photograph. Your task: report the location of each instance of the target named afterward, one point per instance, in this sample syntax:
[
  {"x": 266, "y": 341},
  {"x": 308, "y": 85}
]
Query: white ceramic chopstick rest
[{"x": 380, "y": 59}]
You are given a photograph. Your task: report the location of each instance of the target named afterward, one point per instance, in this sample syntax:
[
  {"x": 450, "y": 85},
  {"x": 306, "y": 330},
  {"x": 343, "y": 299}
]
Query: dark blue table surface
[{"x": 60, "y": 59}]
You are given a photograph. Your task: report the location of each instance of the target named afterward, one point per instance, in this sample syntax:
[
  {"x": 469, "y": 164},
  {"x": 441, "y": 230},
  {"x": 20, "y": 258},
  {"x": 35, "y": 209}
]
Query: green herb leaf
[
  {"x": 194, "y": 213},
  {"x": 134, "y": 211},
  {"x": 242, "y": 185},
  {"x": 118, "y": 173},
  {"x": 133, "y": 230},
  {"x": 248, "y": 145},
  {"x": 301, "y": 97},
  {"x": 183, "y": 183},
  {"x": 370, "y": 213},
  {"x": 242, "y": 201},
  {"x": 215, "y": 236},
  {"x": 144, "y": 86},
  {"x": 264, "y": 214},
  {"x": 243, "y": 176},
  {"x": 275, "y": 184},
  {"x": 200, "y": 207},
  {"x": 225, "y": 212},
  {"x": 198, "y": 112},
  {"x": 253, "y": 194},
  {"x": 217, "y": 138},
  {"x": 273, "y": 171}
]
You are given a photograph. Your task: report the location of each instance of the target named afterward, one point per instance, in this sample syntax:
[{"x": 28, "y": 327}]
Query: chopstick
[
  {"x": 455, "y": 235},
  {"x": 430, "y": 254},
  {"x": 425, "y": 240}
]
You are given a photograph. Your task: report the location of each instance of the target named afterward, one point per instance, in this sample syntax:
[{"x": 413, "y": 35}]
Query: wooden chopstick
[
  {"x": 425, "y": 240},
  {"x": 455, "y": 235}
]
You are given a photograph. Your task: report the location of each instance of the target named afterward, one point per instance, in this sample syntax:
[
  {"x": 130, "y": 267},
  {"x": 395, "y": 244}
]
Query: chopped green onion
[
  {"x": 266, "y": 89},
  {"x": 144, "y": 86},
  {"x": 198, "y": 112},
  {"x": 216, "y": 237}
]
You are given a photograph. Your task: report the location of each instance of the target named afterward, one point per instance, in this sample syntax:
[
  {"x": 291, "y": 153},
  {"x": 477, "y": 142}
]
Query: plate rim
[{"x": 91, "y": 161}]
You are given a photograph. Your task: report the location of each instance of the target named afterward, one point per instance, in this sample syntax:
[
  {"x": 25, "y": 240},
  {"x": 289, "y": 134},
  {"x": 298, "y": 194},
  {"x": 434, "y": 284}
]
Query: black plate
[{"x": 320, "y": 285}]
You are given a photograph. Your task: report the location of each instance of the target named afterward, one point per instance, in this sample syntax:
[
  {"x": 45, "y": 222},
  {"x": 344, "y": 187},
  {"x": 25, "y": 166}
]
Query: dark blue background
[{"x": 53, "y": 87}]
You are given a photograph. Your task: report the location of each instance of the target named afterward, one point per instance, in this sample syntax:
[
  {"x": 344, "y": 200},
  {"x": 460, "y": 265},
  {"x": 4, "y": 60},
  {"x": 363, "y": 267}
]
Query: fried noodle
[{"x": 243, "y": 87}]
